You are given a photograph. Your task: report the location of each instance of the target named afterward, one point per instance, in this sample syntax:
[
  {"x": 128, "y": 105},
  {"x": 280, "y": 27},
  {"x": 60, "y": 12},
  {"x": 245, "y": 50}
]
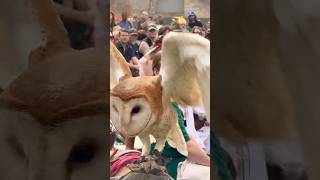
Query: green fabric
[
  {"x": 218, "y": 158},
  {"x": 172, "y": 153},
  {"x": 181, "y": 121}
]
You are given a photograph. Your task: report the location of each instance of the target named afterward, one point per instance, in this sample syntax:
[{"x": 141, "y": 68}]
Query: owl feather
[
  {"x": 119, "y": 68},
  {"x": 185, "y": 78},
  {"x": 185, "y": 70}
]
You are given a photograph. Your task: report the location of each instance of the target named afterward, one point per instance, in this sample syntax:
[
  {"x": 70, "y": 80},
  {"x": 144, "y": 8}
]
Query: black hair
[
  {"x": 156, "y": 61},
  {"x": 141, "y": 35},
  {"x": 124, "y": 15},
  {"x": 163, "y": 29}
]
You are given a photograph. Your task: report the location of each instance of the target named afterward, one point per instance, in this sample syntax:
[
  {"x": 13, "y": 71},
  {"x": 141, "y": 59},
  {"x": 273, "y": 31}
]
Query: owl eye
[
  {"x": 82, "y": 154},
  {"x": 135, "y": 110}
]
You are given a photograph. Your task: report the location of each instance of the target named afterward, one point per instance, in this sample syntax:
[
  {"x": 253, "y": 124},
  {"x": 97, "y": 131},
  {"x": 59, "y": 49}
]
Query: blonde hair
[{"x": 181, "y": 20}]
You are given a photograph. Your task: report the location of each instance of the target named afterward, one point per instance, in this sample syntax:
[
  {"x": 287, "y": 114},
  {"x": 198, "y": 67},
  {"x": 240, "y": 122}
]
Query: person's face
[
  {"x": 116, "y": 38},
  {"x": 145, "y": 15},
  {"x": 124, "y": 37},
  {"x": 152, "y": 34},
  {"x": 197, "y": 31},
  {"x": 192, "y": 18},
  {"x": 133, "y": 38},
  {"x": 182, "y": 26}
]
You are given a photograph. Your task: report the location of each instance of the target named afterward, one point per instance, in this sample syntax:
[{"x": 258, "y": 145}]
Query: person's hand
[
  {"x": 146, "y": 66},
  {"x": 134, "y": 65},
  {"x": 135, "y": 61}
]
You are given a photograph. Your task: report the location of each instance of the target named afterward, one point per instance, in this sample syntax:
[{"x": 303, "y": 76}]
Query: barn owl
[
  {"x": 51, "y": 114},
  {"x": 140, "y": 106}
]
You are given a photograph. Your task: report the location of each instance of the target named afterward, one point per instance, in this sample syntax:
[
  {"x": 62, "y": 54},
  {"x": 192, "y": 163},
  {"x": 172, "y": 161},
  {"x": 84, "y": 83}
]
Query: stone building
[{"x": 165, "y": 8}]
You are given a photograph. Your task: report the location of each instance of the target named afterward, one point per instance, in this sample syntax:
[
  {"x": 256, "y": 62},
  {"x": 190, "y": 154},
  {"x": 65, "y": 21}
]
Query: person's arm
[
  {"x": 135, "y": 60},
  {"x": 196, "y": 154},
  {"x": 143, "y": 48},
  {"x": 146, "y": 66}
]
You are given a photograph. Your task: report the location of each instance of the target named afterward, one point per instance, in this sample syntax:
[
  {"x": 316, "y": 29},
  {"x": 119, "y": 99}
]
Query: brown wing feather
[{"x": 53, "y": 31}]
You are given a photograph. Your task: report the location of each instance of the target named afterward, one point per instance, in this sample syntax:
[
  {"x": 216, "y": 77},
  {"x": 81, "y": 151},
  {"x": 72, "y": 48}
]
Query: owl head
[
  {"x": 53, "y": 115},
  {"x": 136, "y": 104},
  {"x": 53, "y": 119}
]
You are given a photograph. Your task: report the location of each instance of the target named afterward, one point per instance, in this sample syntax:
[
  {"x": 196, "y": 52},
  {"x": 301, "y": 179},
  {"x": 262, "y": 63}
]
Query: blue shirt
[{"x": 125, "y": 25}]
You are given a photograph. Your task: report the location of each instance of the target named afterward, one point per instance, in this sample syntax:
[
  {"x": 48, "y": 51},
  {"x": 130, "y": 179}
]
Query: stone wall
[{"x": 134, "y": 7}]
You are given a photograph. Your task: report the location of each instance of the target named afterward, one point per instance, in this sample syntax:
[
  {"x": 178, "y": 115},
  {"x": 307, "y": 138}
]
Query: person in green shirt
[{"x": 172, "y": 157}]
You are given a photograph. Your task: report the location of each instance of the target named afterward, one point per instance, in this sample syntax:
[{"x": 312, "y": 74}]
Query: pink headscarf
[{"x": 128, "y": 158}]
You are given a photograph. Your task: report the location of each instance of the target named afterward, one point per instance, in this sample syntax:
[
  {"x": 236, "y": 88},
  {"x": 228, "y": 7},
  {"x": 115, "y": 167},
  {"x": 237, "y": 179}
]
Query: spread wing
[
  {"x": 119, "y": 68},
  {"x": 185, "y": 69}
]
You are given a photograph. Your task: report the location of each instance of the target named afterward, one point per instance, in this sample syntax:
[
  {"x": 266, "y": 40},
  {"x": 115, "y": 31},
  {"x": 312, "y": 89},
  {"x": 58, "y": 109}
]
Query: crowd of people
[
  {"x": 136, "y": 36},
  {"x": 139, "y": 40}
]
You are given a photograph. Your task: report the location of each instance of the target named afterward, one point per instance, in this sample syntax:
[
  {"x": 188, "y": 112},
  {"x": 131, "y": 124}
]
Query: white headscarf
[{"x": 202, "y": 136}]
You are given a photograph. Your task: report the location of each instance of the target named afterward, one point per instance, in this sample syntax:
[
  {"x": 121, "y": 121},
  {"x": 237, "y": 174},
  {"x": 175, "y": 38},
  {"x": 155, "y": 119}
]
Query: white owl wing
[
  {"x": 185, "y": 70},
  {"x": 119, "y": 68}
]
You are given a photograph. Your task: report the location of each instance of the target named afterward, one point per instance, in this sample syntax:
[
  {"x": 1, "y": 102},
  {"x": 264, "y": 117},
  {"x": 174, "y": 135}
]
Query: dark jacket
[
  {"x": 128, "y": 53},
  {"x": 195, "y": 23}
]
